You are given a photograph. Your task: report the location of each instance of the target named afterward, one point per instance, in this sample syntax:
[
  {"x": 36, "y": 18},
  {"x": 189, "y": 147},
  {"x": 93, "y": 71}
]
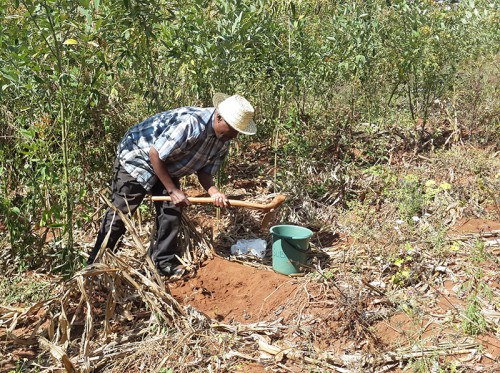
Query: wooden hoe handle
[{"x": 278, "y": 200}]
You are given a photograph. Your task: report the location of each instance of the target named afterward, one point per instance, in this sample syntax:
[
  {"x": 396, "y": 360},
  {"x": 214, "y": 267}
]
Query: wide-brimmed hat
[{"x": 236, "y": 111}]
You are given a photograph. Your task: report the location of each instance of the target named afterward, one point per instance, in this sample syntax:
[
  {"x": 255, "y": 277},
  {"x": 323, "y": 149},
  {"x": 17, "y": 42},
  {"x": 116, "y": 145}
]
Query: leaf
[
  {"x": 430, "y": 183},
  {"x": 445, "y": 186},
  {"x": 70, "y": 42},
  {"x": 28, "y": 133},
  {"x": 360, "y": 59},
  {"x": 398, "y": 262},
  {"x": 10, "y": 75},
  {"x": 55, "y": 225},
  {"x": 15, "y": 210},
  {"x": 86, "y": 14}
]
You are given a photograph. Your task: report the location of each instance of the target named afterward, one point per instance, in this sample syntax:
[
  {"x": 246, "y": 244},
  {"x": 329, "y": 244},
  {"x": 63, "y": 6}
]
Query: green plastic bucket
[{"x": 290, "y": 248}]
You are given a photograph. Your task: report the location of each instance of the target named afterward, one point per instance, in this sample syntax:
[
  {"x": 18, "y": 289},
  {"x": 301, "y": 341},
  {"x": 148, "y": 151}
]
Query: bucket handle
[{"x": 292, "y": 244}]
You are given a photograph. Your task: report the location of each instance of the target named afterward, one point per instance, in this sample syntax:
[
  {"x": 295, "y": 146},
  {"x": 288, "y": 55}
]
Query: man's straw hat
[{"x": 237, "y": 112}]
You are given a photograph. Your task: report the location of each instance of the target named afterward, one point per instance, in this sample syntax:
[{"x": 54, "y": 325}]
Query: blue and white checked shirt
[{"x": 184, "y": 138}]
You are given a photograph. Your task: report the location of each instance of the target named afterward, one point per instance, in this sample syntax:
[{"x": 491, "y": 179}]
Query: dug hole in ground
[{"x": 228, "y": 291}]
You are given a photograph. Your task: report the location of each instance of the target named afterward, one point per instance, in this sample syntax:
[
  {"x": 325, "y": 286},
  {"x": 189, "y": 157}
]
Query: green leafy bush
[{"x": 333, "y": 83}]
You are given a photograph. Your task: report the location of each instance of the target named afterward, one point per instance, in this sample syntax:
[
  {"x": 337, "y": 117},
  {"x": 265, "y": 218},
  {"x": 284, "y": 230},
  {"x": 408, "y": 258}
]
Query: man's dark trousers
[{"x": 127, "y": 196}]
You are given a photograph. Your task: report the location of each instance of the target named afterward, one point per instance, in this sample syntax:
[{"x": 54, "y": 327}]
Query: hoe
[{"x": 269, "y": 208}]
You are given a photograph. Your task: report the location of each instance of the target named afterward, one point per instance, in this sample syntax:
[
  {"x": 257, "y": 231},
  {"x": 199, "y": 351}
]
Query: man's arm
[
  {"x": 160, "y": 169},
  {"x": 207, "y": 182}
]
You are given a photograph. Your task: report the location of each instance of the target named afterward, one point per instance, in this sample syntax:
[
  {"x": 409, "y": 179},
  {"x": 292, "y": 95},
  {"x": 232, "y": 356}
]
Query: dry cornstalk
[
  {"x": 273, "y": 328},
  {"x": 401, "y": 355},
  {"x": 405, "y": 355},
  {"x": 471, "y": 236},
  {"x": 58, "y": 353}
]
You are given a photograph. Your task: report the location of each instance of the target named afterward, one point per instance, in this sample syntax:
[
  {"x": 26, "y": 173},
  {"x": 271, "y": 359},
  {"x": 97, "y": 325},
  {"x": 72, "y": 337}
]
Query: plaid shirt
[{"x": 185, "y": 141}]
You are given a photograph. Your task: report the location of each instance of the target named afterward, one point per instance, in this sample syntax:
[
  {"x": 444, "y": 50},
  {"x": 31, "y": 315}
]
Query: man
[{"x": 154, "y": 154}]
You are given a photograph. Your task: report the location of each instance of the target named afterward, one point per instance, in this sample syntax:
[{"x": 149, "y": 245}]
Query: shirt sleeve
[{"x": 215, "y": 165}]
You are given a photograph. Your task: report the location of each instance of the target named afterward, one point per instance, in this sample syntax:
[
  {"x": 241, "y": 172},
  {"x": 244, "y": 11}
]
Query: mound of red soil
[{"x": 229, "y": 291}]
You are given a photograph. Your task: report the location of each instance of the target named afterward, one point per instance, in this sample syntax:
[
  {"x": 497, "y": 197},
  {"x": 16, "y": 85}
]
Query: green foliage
[
  {"x": 473, "y": 322},
  {"x": 432, "y": 363},
  {"x": 479, "y": 254},
  {"x": 403, "y": 264},
  {"x": 24, "y": 365},
  {"x": 409, "y": 197},
  {"x": 328, "y": 79},
  {"x": 23, "y": 290},
  {"x": 382, "y": 180},
  {"x": 414, "y": 197},
  {"x": 425, "y": 44},
  {"x": 166, "y": 370}
]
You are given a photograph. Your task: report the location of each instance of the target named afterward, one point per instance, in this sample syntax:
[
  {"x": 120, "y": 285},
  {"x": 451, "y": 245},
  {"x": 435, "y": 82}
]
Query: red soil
[{"x": 229, "y": 291}]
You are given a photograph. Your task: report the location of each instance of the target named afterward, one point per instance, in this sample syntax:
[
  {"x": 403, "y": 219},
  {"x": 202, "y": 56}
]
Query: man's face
[{"x": 223, "y": 130}]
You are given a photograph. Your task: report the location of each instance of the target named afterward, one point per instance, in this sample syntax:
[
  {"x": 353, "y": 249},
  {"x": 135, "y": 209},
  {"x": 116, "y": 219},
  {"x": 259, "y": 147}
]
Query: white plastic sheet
[{"x": 256, "y": 247}]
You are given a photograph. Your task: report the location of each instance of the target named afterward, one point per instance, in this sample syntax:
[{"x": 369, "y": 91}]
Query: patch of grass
[
  {"x": 478, "y": 254},
  {"x": 473, "y": 322},
  {"x": 409, "y": 197},
  {"x": 24, "y": 365},
  {"x": 24, "y": 290},
  {"x": 473, "y": 173},
  {"x": 431, "y": 364},
  {"x": 420, "y": 365},
  {"x": 166, "y": 370}
]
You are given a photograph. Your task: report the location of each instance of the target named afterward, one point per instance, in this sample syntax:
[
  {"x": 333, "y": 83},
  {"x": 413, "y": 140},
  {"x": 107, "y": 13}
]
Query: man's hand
[
  {"x": 220, "y": 200},
  {"x": 207, "y": 181},
  {"x": 179, "y": 198}
]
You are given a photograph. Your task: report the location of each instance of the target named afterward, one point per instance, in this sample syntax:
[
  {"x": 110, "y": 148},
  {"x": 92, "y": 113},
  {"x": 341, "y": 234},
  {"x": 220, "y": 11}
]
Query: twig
[{"x": 468, "y": 236}]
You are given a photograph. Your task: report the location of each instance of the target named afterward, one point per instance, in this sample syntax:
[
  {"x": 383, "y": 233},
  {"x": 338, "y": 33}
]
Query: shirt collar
[{"x": 211, "y": 121}]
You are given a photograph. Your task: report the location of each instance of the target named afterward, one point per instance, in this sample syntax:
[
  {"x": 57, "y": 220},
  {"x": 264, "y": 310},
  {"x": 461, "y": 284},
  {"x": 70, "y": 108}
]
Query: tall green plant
[
  {"x": 425, "y": 43},
  {"x": 47, "y": 92},
  {"x": 354, "y": 41},
  {"x": 325, "y": 77}
]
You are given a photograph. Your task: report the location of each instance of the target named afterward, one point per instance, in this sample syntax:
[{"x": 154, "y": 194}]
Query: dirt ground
[
  {"x": 237, "y": 292},
  {"x": 229, "y": 291}
]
